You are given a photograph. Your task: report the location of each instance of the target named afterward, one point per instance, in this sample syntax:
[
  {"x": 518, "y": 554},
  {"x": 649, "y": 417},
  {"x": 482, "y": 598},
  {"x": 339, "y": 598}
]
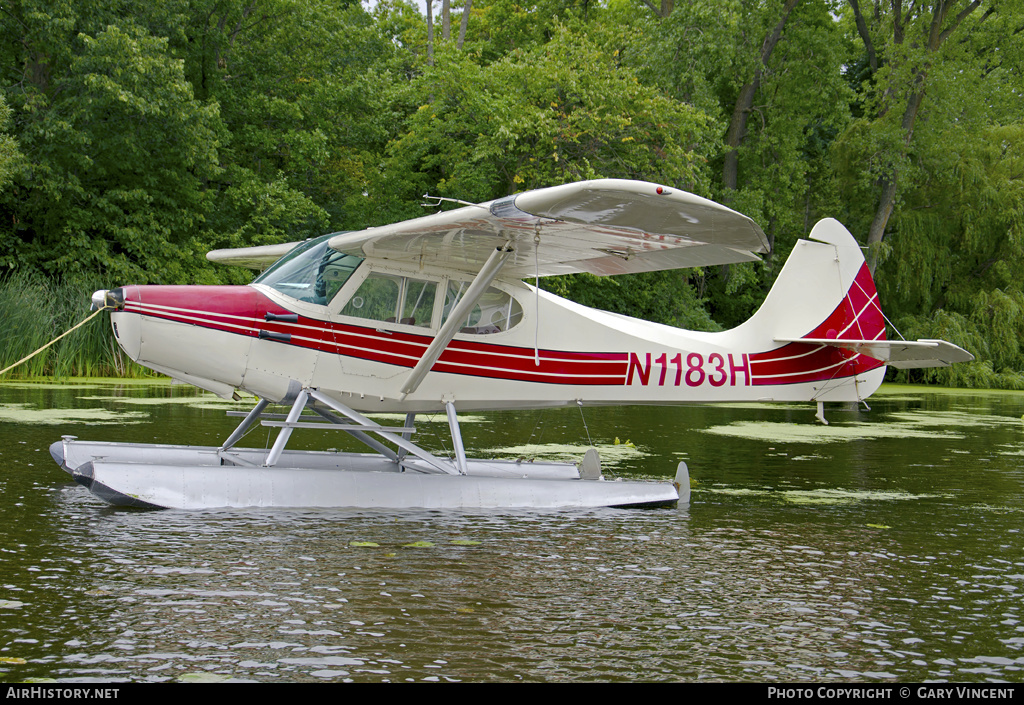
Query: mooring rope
[{"x": 69, "y": 330}]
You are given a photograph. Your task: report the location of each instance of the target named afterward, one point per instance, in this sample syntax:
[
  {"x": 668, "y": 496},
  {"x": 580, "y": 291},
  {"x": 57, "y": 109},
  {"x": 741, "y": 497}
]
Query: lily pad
[{"x": 156, "y": 401}]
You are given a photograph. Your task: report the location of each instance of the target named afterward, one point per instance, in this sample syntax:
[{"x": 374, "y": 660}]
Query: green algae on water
[
  {"x": 23, "y": 414},
  {"x": 611, "y": 453}
]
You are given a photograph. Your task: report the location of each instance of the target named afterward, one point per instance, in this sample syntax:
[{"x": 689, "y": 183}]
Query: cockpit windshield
[{"x": 311, "y": 272}]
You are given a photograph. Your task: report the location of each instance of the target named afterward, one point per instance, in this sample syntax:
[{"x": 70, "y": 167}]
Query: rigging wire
[
  {"x": 536, "y": 296},
  {"x": 579, "y": 403}
]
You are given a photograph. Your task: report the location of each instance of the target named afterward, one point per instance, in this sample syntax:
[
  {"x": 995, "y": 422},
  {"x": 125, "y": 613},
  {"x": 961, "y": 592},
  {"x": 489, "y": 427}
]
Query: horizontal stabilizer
[{"x": 901, "y": 354}]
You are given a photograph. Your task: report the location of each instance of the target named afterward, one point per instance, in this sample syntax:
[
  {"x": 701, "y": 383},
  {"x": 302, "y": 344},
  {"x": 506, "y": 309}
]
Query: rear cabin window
[
  {"x": 496, "y": 311},
  {"x": 311, "y": 272}
]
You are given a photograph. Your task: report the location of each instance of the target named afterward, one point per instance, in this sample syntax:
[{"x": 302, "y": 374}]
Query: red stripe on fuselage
[{"x": 241, "y": 310}]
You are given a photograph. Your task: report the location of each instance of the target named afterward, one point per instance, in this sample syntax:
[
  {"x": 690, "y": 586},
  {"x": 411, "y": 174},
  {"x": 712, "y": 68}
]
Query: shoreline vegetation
[{"x": 35, "y": 310}]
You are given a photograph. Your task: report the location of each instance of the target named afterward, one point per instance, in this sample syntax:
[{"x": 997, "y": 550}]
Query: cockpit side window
[
  {"x": 393, "y": 299},
  {"x": 311, "y": 272},
  {"x": 496, "y": 311}
]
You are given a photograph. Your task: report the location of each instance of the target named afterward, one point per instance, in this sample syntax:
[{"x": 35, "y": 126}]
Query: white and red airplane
[{"x": 433, "y": 314}]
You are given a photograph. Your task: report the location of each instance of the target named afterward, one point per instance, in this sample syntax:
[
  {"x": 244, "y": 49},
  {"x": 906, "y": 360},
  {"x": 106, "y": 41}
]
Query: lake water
[{"x": 884, "y": 547}]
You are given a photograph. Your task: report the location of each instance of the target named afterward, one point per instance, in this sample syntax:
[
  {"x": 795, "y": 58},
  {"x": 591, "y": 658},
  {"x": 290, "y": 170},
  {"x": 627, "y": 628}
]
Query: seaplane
[{"x": 438, "y": 315}]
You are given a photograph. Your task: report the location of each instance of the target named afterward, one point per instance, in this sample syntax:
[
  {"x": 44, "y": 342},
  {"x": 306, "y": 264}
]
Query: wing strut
[{"x": 456, "y": 317}]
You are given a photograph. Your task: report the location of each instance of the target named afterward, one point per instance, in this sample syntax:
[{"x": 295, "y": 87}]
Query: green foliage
[
  {"x": 953, "y": 268},
  {"x": 304, "y": 89},
  {"x": 668, "y": 297},
  {"x": 703, "y": 54},
  {"x": 560, "y": 112},
  {"x": 952, "y": 250},
  {"x": 117, "y": 163},
  {"x": 10, "y": 154}
]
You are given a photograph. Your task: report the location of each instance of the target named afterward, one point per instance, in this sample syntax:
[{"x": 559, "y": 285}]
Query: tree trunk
[
  {"x": 664, "y": 10},
  {"x": 887, "y": 200},
  {"x": 745, "y": 102},
  {"x": 934, "y": 41},
  {"x": 464, "y": 23},
  {"x": 862, "y": 29},
  {"x": 430, "y": 32}
]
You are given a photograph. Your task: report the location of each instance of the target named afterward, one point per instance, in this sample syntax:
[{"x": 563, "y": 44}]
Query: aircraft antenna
[{"x": 439, "y": 199}]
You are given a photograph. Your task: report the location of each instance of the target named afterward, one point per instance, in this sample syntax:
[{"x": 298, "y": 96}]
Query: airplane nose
[
  {"x": 107, "y": 300},
  {"x": 126, "y": 327}
]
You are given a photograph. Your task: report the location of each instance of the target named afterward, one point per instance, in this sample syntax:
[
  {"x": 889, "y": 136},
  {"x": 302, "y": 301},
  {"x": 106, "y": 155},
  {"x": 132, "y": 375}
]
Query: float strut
[
  {"x": 410, "y": 419},
  {"x": 453, "y": 424},
  {"x": 237, "y": 434},
  {"x": 359, "y": 435},
  {"x": 397, "y": 440},
  {"x": 282, "y": 438}
]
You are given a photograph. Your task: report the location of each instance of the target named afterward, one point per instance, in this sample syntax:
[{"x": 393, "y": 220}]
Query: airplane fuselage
[{"x": 520, "y": 348}]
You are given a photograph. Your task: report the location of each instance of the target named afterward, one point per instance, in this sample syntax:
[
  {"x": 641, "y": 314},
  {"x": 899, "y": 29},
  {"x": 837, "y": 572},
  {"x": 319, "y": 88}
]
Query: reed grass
[{"x": 35, "y": 309}]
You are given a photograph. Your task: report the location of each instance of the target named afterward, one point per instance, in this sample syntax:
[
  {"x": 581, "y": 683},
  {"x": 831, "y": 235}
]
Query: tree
[
  {"x": 745, "y": 101},
  {"x": 911, "y": 43},
  {"x": 748, "y": 65},
  {"x": 118, "y": 152},
  {"x": 932, "y": 172},
  {"x": 561, "y": 112}
]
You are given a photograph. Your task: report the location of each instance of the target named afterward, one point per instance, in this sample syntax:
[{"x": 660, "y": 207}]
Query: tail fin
[
  {"x": 857, "y": 323},
  {"x": 825, "y": 324},
  {"x": 825, "y": 291}
]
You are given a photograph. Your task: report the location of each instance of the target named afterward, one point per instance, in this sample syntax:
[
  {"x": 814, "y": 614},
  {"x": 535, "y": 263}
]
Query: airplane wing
[
  {"x": 607, "y": 226},
  {"x": 258, "y": 258},
  {"x": 901, "y": 354}
]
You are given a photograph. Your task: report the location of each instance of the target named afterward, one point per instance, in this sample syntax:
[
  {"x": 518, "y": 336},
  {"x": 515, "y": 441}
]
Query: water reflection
[{"x": 889, "y": 557}]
